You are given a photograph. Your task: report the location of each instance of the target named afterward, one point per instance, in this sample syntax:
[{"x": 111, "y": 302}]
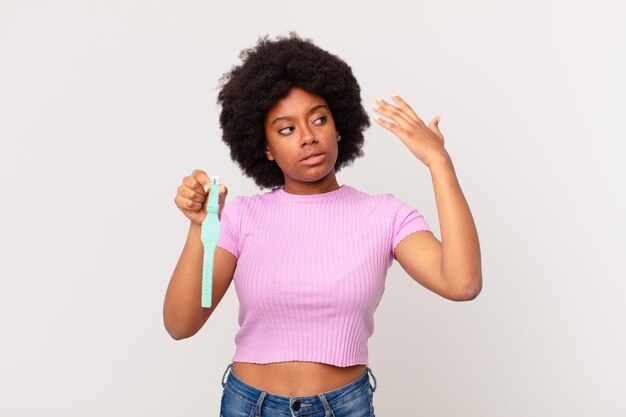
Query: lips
[{"x": 314, "y": 153}]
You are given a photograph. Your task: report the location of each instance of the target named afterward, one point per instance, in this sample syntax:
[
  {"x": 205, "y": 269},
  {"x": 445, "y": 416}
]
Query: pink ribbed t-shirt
[{"x": 311, "y": 271}]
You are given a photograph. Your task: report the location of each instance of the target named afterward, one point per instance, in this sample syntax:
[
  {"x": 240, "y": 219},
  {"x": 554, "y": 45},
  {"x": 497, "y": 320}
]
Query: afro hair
[{"x": 268, "y": 72}]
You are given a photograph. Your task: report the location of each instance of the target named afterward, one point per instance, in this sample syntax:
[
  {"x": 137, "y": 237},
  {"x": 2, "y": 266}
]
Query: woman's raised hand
[
  {"x": 192, "y": 195},
  {"x": 425, "y": 142}
]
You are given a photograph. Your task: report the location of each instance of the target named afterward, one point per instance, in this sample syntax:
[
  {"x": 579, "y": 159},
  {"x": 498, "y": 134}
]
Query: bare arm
[
  {"x": 451, "y": 268},
  {"x": 183, "y": 314},
  {"x": 460, "y": 250},
  {"x": 458, "y": 253}
]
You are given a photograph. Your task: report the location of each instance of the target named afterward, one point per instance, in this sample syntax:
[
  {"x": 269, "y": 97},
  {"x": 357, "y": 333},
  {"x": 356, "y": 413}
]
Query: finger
[
  {"x": 407, "y": 109},
  {"x": 186, "y": 189},
  {"x": 200, "y": 180},
  {"x": 391, "y": 112},
  {"x": 185, "y": 204},
  {"x": 222, "y": 199},
  {"x": 434, "y": 126},
  {"x": 222, "y": 196},
  {"x": 387, "y": 125}
]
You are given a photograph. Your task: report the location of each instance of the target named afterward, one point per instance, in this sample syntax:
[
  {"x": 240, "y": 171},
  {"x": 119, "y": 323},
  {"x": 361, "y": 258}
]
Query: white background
[{"x": 106, "y": 105}]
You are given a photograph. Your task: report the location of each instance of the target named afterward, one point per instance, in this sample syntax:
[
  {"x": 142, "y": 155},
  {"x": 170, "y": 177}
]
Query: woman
[{"x": 309, "y": 258}]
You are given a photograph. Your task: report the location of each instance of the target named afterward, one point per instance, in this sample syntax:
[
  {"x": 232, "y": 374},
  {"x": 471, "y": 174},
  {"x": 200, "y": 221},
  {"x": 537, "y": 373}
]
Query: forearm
[
  {"x": 460, "y": 258},
  {"x": 182, "y": 310}
]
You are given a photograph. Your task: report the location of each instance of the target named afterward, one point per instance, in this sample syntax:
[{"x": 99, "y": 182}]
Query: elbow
[
  {"x": 179, "y": 325},
  {"x": 173, "y": 334},
  {"x": 470, "y": 295},
  {"x": 172, "y": 331},
  {"x": 468, "y": 291},
  {"x": 179, "y": 337},
  {"x": 472, "y": 290},
  {"x": 176, "y": 330}
]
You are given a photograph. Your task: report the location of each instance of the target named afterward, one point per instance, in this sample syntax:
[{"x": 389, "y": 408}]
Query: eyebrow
[{"x": 311, "y": 110}]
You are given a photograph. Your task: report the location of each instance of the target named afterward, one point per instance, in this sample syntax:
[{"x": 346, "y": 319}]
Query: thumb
[
  {"x": 205, "y": 205},
  {"x": 434, "y": 126},
  {"x": 223, "y": 191}
]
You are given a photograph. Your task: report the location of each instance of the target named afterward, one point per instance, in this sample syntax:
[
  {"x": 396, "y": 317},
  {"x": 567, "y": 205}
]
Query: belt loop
[
  {"x": 372, "y": 374},
  {"x": 327, "y": 408},
  {"x": 227, "y": 368},
  {"x": 259, "y": 404}
]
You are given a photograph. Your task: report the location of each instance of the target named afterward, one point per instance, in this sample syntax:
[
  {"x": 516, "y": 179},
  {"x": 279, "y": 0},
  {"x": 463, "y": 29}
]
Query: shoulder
[
  {"x": 386, "y": 200},
  {"x": 253, "y": 198},
  {"x": 243, "y": 204},
  {"x": 365, "y": 196}
]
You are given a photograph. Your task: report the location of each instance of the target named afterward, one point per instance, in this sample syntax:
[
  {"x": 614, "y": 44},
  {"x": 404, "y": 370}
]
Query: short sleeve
[
  {"x": 406, "y": 220},
  {"x": 229, "y": 227}
]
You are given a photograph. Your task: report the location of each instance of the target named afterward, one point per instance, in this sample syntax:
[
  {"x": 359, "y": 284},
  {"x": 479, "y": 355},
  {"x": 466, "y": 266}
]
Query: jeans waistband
[{"x": 255, "y": 396}]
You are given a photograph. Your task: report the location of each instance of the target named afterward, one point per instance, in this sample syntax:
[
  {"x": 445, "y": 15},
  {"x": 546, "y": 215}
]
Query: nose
[{"x": 308, "y": 136}]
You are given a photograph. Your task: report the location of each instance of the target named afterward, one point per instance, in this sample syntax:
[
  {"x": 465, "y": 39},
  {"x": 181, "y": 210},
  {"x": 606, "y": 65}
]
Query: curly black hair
[{"x": 268, "y": 72}]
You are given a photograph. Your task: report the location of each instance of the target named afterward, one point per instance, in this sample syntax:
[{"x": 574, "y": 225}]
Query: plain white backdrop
[{"x": 106, "y": 105}]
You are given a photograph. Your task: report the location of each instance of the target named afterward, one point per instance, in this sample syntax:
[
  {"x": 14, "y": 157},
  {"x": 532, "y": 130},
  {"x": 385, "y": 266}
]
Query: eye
[
  {"x": 281, "y": 130},
  {"x": 322, "y": 118}
]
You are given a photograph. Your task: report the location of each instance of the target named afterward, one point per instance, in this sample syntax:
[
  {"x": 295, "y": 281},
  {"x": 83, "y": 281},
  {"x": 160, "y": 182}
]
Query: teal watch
[{"x": 210, "y": 235}]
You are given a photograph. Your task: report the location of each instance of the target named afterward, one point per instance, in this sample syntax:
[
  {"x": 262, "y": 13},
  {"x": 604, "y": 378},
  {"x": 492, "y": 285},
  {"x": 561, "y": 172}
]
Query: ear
[{"x": 268, "y": 153}]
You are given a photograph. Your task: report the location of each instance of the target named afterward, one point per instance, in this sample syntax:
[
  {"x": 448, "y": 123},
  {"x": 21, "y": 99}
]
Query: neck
[{"x": 325, "y": 185}]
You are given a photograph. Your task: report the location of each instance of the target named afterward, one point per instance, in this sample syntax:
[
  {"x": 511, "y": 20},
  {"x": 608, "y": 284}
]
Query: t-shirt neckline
[{"x": 312, "y": 197}]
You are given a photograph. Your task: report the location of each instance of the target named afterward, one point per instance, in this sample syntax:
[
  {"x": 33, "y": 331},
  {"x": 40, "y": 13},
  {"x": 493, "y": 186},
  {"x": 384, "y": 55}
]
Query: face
[{"x": 297, "y": 125}]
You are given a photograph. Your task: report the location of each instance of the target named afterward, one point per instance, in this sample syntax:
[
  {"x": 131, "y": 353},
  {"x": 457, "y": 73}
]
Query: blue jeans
[{"x": 242, "y": 400}]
